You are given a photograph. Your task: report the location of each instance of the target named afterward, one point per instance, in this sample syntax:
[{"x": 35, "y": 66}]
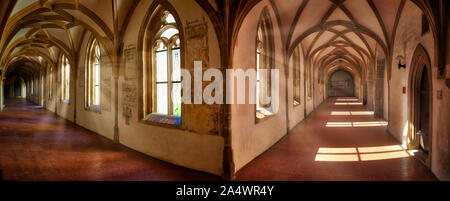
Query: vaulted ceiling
[
  {"x": 352, "y": 31},
  {"x": 346, "y": 30},
  {"x": 37, "y": 31}
]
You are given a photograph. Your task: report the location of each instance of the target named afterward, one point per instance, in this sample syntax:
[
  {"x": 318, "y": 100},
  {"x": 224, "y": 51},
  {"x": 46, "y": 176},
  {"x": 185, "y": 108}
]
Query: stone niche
[
  {"x": 203, "y": 119},
  {"x": 105, "y": 82},
  {"x": 129, "y": 87}
]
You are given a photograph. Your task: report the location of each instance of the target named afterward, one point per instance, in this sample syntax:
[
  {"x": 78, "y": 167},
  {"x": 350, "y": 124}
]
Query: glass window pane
[
  {"x": 67, "y": 82},
  {"x": 169, "y": 33},
  {"x": 176, "y": 99},
  {"x": 96, "y": 78},
  {"x": 170, "y": 19},
  {"x": 97, "y": 75},
  {"x": 97, "y": 95},
  {"x": 258, "y": 56},
  {"x": 161, "y": 66},
  {"x": 97, "y": 51},
  {"x": 162, "y": 105},
  {"x": 160, "y": 46},
  {"x": 176, "y": 72},
  {"x": 257, "y": 96}
]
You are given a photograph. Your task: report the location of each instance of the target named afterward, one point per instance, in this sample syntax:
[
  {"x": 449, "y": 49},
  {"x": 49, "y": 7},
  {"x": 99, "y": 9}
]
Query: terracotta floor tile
[
  {"x": 37, "y": 145},
  {"x": 295, "y": 155}
]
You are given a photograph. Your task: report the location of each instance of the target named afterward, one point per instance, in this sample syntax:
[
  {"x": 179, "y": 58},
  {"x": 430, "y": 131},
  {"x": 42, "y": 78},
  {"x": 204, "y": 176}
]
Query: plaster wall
[{"x": 250, "y": 139}]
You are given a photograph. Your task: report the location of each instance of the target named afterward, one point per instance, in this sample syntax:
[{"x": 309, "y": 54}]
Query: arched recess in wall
[
  {"x": 97, "y": 76},
  {"x": 161, "y": 58},
  {"x": 340, "y": 83},
  {"x": 265, "y": 62},
  {"x": 19, "y": 88},
  {"x": 296, "y": 77},
  {"x": 65, "y": 71},
  {"x": 420, "y": 115}
]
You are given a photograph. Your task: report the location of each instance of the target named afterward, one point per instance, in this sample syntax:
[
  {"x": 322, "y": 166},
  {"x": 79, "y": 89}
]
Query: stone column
[
  {"x": 370, "y": 88},
  {"x": 2, "y": 95},
  {"x": 379, "y": 88}
]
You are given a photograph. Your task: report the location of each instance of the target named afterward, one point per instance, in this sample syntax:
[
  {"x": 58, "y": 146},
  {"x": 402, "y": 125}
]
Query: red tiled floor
[
  {"x": 294, "y": 157},
  {"x": 37, "y": 145}
]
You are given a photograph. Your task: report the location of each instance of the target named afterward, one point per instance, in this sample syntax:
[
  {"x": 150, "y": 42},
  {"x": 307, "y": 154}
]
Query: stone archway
[
  {"x": 341, "y": 84},
  {"x": 420, "y": 105}
]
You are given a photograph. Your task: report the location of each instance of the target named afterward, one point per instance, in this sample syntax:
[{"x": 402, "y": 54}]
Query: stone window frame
[
  {"x": 265, "y": 49},
  {"x": 50, "y": 81},
  {"x": 89, "y": 85},
  {"x": 151, "y": 30},
  {"x": 296, "y": 79},
  {"x": 65, "y": 90}
]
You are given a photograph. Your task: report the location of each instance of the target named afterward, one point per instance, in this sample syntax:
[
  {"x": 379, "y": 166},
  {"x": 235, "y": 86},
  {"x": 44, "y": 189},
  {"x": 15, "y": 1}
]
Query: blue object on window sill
[
  {"x": 95, "y": 108},
  {"x": 164, "y": 119}
]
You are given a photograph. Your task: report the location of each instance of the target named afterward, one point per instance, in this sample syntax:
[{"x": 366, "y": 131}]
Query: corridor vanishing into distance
[
  {"x": 225, "y": 90},
  {"x": 341, "y": 140}
]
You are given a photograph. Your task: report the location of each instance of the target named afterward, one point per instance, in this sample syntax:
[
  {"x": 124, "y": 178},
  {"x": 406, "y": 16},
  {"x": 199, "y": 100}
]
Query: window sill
[
  {"x": 161, "y": 120},
  {"x": 263, "y": 115},
  {"x": 94, "y": 108},
  {"x": 296, "y": 104},
  {"x": 65, "y": 101}
]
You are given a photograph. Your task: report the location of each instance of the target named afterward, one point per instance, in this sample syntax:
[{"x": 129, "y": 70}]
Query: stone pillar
[
  {"x": 2, "y": 95},
  {"x": 370, "y": 88},
  {"x": 379, "y": 88}
]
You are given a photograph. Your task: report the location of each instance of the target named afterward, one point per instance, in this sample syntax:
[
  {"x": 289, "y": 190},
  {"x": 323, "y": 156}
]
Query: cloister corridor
[{"x": 340, "y": 140}]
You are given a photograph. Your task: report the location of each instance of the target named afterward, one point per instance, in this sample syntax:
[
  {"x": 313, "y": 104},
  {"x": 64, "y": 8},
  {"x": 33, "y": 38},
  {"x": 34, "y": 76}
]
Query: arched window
[
  {"x": 162, "y": 72},
  {"x": 264, "y": 61},
  {"x": 65, "y": 78},
  {"x": 50, "y": 82},
  {"x": 93, "y": 75},
  {"x": 296, "y": 77}
]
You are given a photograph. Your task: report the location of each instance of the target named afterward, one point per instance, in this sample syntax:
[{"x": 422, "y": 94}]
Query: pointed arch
[
  {"x": 161, "y": 55},
  {"x": 420, "y": 61}
]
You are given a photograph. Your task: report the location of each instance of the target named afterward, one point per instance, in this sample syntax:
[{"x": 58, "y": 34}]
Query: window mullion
[
  {"x": 169, "y": 80},
  {"x": 153, "y": 84}
]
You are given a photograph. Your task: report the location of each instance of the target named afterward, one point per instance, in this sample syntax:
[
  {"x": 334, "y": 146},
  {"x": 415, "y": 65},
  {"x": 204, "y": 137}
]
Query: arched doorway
[
  {"x": 420, "y": 105},
  {"x": 17, "y": 89},
  {"x": 341, "y": 84}
]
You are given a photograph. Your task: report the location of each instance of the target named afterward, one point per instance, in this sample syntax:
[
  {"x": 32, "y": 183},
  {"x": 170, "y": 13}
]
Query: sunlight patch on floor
[
  {"x": 353, "y": 113},
  {"x": 355, "y": 154},
  {"x": 349, "y": 103},
  {"x": 379, "y": 149},
  {"x": 337, "y": 158},
  {"x": 347, "y": 99},
  {"x": 356, "y": 124},
  {"x": 350, "y": 150}
]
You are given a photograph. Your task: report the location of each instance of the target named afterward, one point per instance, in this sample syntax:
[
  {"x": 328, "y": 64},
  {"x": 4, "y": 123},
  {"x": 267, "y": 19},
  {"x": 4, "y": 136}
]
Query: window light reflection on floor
[
  {"x": 356, "y": 124},
  {"x": 350, "y": 150},
  {"x": 384, "y": 156},
  {"x": 354, "y": 113},
  {"x": 349, "y": 103},
  {"x": 347, "y": 99},
  {"x": 355, "y": 154},
  {"x": 370, "y": 124},
  {"x": 337, "y": 158},
  {"x": 379, "y": 149}
]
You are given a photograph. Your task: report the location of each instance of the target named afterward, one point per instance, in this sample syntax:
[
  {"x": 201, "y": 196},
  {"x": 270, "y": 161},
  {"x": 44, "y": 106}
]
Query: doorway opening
[
  {"x": 420, "y": 106},
  {"x": 341, "y": 84}
]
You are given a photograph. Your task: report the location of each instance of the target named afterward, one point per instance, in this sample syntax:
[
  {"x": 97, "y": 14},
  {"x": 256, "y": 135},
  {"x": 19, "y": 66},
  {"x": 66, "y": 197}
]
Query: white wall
[{"x": 250, "y": 139}]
